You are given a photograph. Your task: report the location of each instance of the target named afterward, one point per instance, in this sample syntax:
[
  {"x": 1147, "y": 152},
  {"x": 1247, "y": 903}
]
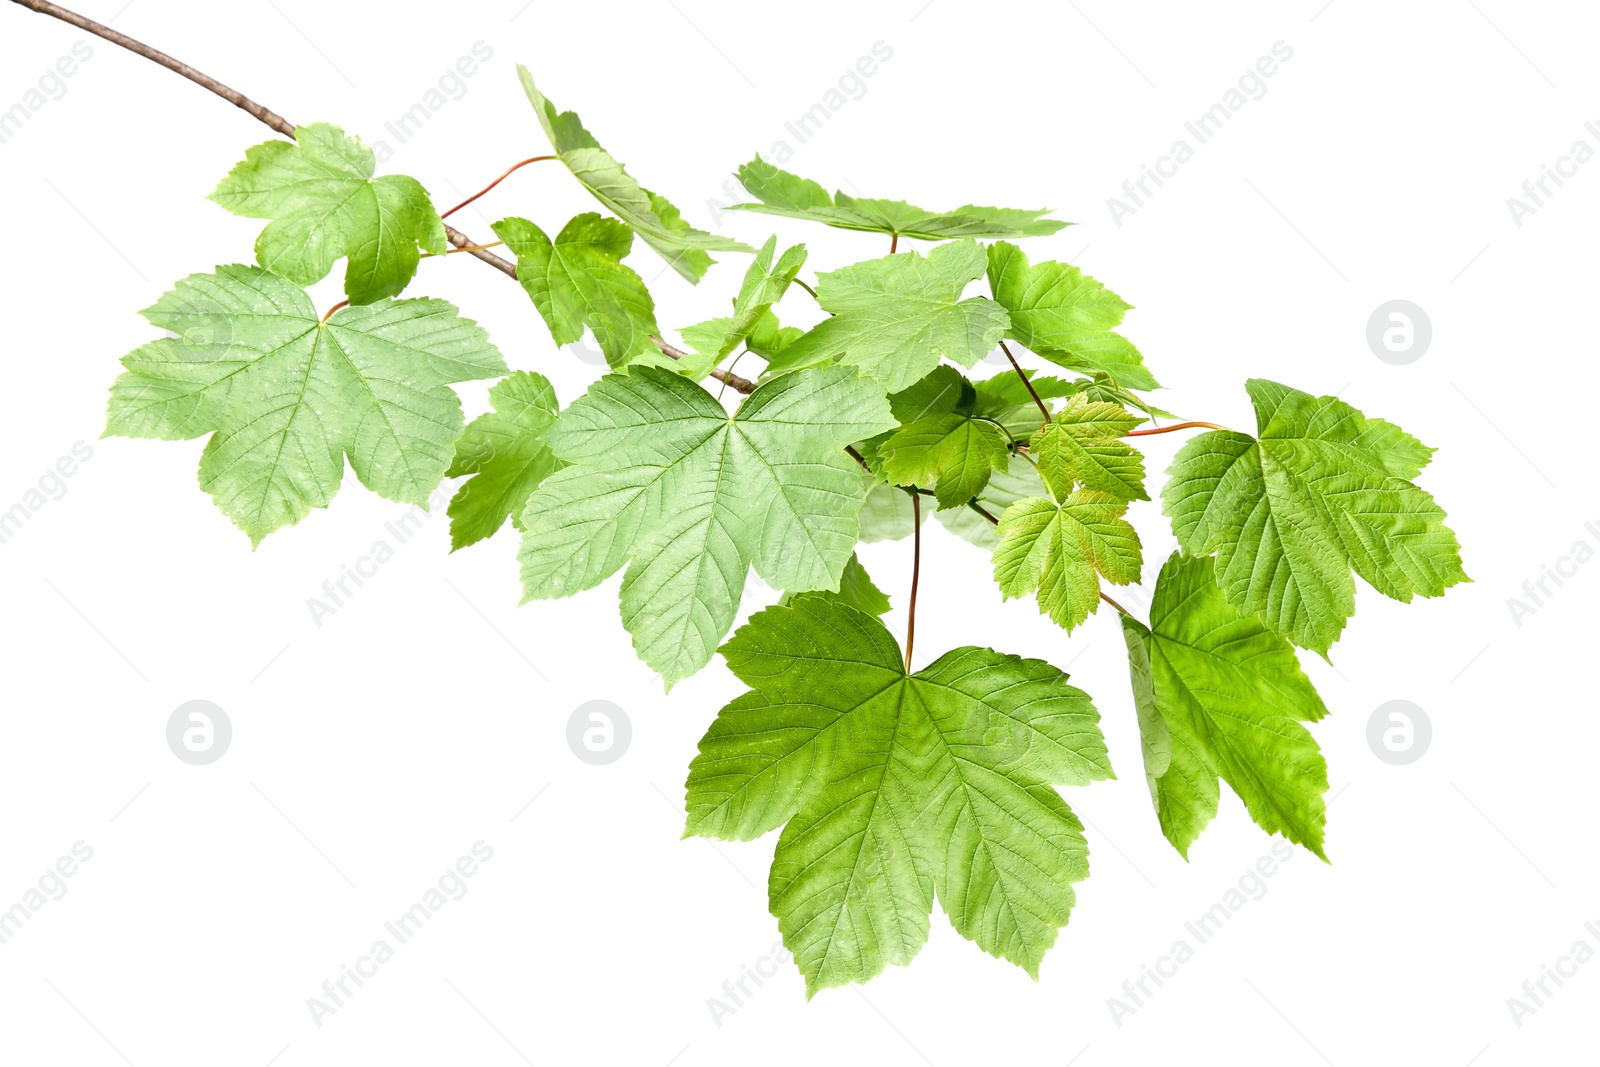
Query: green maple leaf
[
  {"x": 955, "y": 452},
  {"x": 505, "y": 452},
  {"x": 1064, "y": 315},
  {"x": 1220, "y": 696},
  {"x": 1321, "y": 491},
  {"x": 782, "y": 193},
  {"x": 896, "y": 317},
  {"x": 661, "y": 475},
  {"x": 324, "y": 204},
  {"x": 942, "y": 440},
  {"x": 580, "y": 280},
  {"x": 651, "y": 216},
  {"x": 1059, "y": 551},
  {"x": 286, "y": 396},
  {"x": 896, "y": 788},
  {"x": 1083, "y": 446},
  {"x": 856, "y": 590}
]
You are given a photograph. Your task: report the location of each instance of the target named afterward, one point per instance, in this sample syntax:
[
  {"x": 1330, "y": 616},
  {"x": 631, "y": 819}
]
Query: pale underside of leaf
[
  {"x": 662, "y": 477},
  {"x": 286, "y": 396},
  {"x": 654, "y": 218}
]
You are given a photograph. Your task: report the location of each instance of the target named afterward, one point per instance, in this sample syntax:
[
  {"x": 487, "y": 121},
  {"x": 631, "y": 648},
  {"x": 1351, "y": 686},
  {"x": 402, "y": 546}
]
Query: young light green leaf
[
  {"x": 1060, "y": 551},
  {"x": 856, "y": 590},
  {"x": 505, "y": 452},
  {"x": 287, "y": 396},
  {"x": 1064, "y": 315},
  {"x": 767, "y": 339},
  {"x": 660, "y": 475},
  {"x": 1293, "y": 511},
  {"x": 897, "y": 789},
  {"x": 898, "y": 316},
  {"x": 1083, "y": 446},
  {"x": 324, "y": 204},
  {"x": 782, "y": 193},
  {"x": 580, "y": 280},
  {"x": 652, "y": 217},
  {"x": 1231, "y": 696}
]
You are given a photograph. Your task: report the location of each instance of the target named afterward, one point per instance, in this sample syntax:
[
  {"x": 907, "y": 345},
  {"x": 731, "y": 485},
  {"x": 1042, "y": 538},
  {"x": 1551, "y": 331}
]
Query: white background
[{"x": 370, "y": 753}]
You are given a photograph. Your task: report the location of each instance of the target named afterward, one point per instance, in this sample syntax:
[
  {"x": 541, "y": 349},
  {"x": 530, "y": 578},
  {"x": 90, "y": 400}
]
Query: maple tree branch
[
  {"x": 469, "y": 248},
  {"x": 727, "y": 377},
  {"x": 279, "y": 124},
  {"x": 232, "y": 96},
  {"x": 1175, "y": 426},
  {"x": 1043, "y": 410},
  {"x": 466, "y": 244}
]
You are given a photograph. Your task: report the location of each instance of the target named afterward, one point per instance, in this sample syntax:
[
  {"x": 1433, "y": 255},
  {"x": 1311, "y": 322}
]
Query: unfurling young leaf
[
  {"x": 1321, "y": 491},
  {"x": 1061, "y": 549},
  {"x": 1220, "y": 696},
  {"x": 1083, "y": 446},
  {"x": 896, "y": 317},
  {"x": 1064, "y": 315},
  {"x": 286, "y": 396},
  {"x": 662, "y": 476},
  {"x": 324, "y": 204},
  {"x": 782, "y": 193},
  {"x": 505, "y": 452},
  {"x": 579, "y": 280},
  {"x": 764, "y": 285},
  {"x": 652, "y": 217},
  {"x": 896, "y": 788},
  {"x": 752, "y": 322}
]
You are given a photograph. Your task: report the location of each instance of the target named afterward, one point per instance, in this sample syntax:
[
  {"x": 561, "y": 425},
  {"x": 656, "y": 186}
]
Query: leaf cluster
[{"x": 892, "y": 787}]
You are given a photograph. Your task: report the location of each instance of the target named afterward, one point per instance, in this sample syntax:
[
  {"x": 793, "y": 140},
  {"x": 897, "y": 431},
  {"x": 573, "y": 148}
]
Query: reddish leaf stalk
[
  {"x": 509, "y": 171},
  {"x": 916, "y": 571}
]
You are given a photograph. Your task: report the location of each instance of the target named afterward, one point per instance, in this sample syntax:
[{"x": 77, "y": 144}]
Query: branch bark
[
  {"x": 232, "y": 96},
  {"x": 278, "y": 124}
]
